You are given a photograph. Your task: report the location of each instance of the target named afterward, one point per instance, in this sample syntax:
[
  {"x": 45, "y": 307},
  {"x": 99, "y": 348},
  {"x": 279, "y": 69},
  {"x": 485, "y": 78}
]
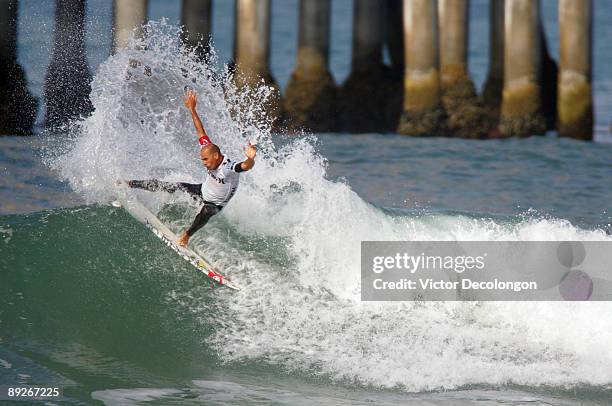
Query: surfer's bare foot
[
  {"x": 121, "y": 182},
  {"x": 183, "y": 239}
]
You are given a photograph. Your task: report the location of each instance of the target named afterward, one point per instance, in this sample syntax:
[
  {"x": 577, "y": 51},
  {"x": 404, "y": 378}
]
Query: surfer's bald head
[
  {"x": 212, "y": 148},
  {"x": 211, "y": 156}
]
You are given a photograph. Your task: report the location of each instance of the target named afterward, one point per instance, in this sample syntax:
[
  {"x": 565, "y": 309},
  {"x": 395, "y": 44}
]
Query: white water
[{"x": 306, "y": 315}]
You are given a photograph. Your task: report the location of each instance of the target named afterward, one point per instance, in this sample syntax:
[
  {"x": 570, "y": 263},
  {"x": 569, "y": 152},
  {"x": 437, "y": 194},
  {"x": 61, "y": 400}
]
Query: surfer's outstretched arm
[
  {"x": 190, "y": 99},
  {"x": 250, "y": 151}
]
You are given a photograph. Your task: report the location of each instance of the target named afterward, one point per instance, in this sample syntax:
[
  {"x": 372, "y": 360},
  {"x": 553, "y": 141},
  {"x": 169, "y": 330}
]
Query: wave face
[
  {"x": 90, "y": 290},
  {"x": 93, "y": 276}
]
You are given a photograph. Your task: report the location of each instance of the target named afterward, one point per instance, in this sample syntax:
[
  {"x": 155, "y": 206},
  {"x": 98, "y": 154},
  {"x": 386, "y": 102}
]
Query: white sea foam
[
  {"x": 315, "y": 322},
  {"x": 306, "y": 314}
]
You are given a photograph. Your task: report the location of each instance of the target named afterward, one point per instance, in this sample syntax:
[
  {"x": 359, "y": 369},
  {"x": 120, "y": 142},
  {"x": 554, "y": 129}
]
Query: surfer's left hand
[
  {"x": 250, "y": 151},
  {"x": 183, "y": 239}
]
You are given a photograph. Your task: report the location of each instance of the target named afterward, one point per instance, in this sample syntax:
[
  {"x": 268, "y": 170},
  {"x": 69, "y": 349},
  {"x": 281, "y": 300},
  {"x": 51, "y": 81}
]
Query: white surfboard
[{"x": 144, "y": 215}]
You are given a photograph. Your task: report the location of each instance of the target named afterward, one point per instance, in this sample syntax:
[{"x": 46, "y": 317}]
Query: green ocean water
[{"x": 91, "y": 301}]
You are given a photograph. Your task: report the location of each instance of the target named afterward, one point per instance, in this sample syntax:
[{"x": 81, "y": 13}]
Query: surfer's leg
[
  {"x": 154, "y": 185},
  {"x": 193, "y": 189},
  {"x": 207, "y": 211}
]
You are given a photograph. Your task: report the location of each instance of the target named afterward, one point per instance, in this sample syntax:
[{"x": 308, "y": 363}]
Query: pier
[{"x": 409, "y": 67}]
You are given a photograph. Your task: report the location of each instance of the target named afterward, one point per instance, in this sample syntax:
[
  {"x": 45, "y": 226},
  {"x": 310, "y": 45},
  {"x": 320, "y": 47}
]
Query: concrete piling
[
  {"x": 17, "y": 105},
  {"x": 494, "y": 85},
  {"x": 367, "y": 35},
  {"x": 67, "y": 82},
  {"x": 423, "y": 113},
  {"x": 466, "y": 117},
  {"x": 548, "y": 83},
  {"x": 394, "y": 41},
  {"x": 310, "y": 95},
  {"x": 394, "y": 34},
  {"x": 575, "y": 97},
  {"x": 129, "y": 15},
  {"x": 453, "y": 29},
  {"x": 363, "y": 99},
  {"x": 521, "y": 111},
  {"x": 252, "y": 50},
  {"x": 196, "y": 17}
]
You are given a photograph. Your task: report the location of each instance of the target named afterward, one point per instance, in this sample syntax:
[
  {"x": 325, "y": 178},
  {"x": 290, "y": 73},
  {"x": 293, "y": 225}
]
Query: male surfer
[{"x": 221, "y": 180}]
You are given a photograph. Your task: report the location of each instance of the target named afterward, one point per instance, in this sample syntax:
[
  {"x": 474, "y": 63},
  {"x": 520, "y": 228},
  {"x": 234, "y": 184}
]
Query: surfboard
[{"x": 144, "y": 215}]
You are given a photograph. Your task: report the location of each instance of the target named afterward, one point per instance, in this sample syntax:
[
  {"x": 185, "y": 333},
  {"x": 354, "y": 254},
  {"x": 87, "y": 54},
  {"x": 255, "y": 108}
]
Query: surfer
[{"x": 221, "y": 181}]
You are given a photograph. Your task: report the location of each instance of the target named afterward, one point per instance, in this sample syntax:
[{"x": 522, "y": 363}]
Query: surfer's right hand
[{"x": 121, "y": 182}]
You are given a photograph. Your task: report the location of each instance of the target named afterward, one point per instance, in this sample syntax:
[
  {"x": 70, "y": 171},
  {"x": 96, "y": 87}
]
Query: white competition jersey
[{"x": 221, "y": 183}]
